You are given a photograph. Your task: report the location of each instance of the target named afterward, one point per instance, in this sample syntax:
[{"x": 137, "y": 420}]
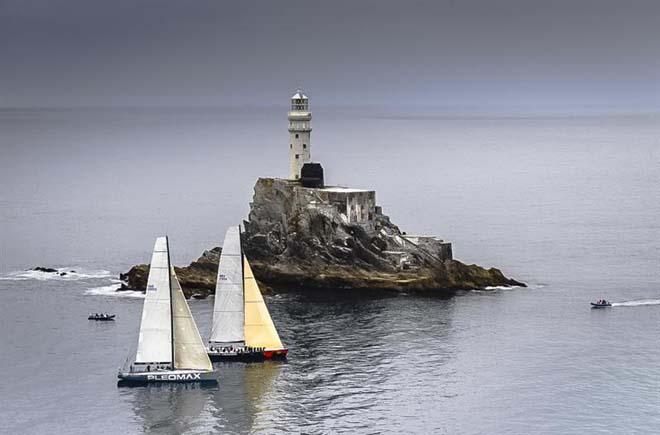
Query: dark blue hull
[
  {"x": 243, "y": 357},
  {"x": 169, "y": 376}
]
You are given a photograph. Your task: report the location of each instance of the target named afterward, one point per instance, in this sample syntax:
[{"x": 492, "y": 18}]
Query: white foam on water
[
  {"x": 502, "y": 287},
  {"x": 111, "y": 290},
  {"x": 493, "y": 288},
  {"x": 71, "y": 274},
  {"x": 86, "y": 274},
  {"x": 637, "y": 303}
]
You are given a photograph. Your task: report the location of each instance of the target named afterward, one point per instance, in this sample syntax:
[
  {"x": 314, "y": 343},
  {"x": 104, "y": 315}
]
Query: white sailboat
[
  {"x": 170, "y": 348},
  {"x": 242, "y": 327}
]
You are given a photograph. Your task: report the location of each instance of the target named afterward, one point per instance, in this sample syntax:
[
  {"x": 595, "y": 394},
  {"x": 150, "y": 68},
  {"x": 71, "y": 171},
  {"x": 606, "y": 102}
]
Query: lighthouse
[{"x": 300, "y": 128}]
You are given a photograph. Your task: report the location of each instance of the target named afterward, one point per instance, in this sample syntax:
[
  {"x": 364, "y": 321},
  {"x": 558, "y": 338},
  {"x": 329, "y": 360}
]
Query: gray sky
[{"x": 456, "y": 54}]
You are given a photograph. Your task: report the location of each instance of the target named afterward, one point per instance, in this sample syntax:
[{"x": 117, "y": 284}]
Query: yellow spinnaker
[{"x": 259, "y": 328}]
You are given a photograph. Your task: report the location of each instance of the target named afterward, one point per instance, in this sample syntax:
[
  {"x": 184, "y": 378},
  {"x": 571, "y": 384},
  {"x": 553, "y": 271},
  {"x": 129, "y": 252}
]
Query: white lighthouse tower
[{"x": 300, "y": 127}]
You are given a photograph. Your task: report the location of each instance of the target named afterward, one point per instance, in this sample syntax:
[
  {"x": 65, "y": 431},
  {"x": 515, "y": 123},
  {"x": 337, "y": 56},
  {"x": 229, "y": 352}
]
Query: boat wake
[
  {"x": 637, "y": 303},
  {"x": 111, "y": 290},
  {"x": 62, "y": 273}
]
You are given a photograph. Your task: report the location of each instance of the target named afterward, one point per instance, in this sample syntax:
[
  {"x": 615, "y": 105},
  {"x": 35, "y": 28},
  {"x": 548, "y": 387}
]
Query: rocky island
[
  {"x": 302, "y": 234},
  {"x": 299, "y": 237}
]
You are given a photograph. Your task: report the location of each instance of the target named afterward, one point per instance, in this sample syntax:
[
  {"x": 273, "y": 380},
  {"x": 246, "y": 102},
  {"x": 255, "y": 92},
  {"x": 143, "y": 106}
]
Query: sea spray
[
  {"x": 72, "y": 273},
  {"x": 111, "y": 290}
]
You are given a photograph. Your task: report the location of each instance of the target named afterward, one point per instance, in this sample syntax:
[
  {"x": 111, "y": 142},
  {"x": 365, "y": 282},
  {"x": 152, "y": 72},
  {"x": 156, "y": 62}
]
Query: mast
[
  {"x": 169, "y": 266},
  {"x": 240, "y": 245}
]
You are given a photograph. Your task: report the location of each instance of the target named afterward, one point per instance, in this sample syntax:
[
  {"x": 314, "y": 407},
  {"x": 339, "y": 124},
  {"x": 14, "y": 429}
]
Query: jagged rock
[
  {"x": 197, "y": 278},
  {"x": 294, "y": 241},
  {"x": 45, "y": 269},
  {"x": 293, "y": 244}
]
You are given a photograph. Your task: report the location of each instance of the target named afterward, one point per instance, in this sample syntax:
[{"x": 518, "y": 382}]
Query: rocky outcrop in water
[
  {"x": 296, "y": 241},
  {"x": 45, "y": 269},
  {"x": 198, "y": 277}
]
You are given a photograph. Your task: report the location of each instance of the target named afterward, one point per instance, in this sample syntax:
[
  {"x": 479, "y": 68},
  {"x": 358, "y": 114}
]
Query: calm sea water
[{"x": 568, "y": 204}]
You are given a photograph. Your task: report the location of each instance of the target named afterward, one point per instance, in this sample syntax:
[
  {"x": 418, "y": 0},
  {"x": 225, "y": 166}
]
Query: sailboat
[
  {"x": 242, "y": 327},
  {"x": 169, "y": 348}
]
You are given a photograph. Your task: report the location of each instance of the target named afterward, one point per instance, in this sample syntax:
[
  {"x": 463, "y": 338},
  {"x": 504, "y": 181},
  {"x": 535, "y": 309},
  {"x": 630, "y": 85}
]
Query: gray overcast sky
[{"x": 467, "y": 53}]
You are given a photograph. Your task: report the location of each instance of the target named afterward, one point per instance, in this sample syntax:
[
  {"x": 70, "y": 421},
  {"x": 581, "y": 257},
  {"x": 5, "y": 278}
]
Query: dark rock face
[
  {"x": 197, "y": 278},
  {"x": 295, "y": 241},
  {"x": 45, "y": 269}
]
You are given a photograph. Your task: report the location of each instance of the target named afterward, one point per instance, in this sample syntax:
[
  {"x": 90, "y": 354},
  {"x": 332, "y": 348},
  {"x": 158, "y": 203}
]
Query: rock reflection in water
[{"x": 351, "y": 353}]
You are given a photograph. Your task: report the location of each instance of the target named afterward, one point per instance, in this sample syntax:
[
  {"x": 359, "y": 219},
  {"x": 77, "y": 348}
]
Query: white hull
[{"x": 168, "y": 376}]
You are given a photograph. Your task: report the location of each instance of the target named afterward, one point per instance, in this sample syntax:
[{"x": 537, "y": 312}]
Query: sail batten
[{"x": 228, "y": 313}]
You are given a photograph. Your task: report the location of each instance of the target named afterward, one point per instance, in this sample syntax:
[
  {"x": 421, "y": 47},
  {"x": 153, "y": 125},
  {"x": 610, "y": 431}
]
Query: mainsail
[
  {"x": 189, "y": 351},
  {"x": 228, "y": 316},
  {"x": 155, "y": 342},
  {"x": 259, "y": 328}
]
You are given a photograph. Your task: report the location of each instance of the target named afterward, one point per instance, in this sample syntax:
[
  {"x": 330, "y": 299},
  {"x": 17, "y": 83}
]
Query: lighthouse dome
[{"x": 299, "y": 95}]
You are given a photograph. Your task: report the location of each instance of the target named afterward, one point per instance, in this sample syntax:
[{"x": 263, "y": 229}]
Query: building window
[
  {"x": 290, "y": 146},
  {"x": 297, "y": 155},
  {"x": 296, "y": 135},
  {"x": 304, "y": 146}
]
